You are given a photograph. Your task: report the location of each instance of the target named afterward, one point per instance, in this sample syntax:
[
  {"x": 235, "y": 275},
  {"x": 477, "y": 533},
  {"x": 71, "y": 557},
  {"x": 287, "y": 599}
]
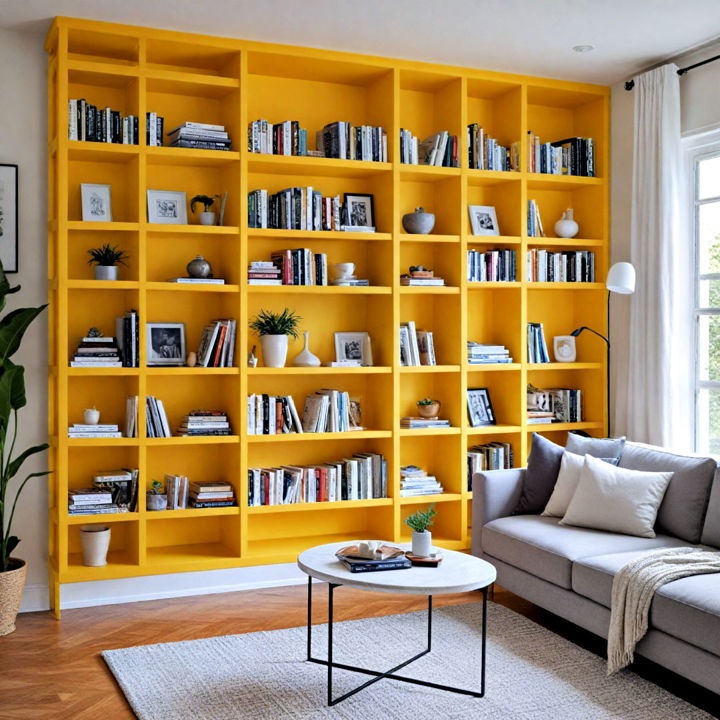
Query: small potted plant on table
[
  {"x": 273, "y": 329},
  {"x": 420, "y": 521},
  {"x": 106, "y": 259},
  {"x": 207, "y": 217}
]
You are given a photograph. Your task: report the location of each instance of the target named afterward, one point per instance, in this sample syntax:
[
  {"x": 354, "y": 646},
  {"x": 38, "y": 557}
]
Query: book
[
  {"x": 198, "y": 281},
  {"x": 375, "y": 565}
]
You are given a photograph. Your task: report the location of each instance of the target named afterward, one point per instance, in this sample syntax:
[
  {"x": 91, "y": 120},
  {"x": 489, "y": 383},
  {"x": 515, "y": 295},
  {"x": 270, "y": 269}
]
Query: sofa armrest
[{"x": 496, "y": 494}]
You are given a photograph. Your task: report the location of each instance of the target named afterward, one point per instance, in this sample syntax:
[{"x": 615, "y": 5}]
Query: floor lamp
[{"x": 621, "y": 280}]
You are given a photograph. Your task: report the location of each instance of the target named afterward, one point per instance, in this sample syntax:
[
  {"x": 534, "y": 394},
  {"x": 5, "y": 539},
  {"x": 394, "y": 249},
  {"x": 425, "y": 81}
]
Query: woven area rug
[{"x": 532, "y": 674}]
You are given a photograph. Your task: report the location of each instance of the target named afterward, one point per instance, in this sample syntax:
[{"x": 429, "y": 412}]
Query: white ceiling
[{"x": 532, "y": 37}]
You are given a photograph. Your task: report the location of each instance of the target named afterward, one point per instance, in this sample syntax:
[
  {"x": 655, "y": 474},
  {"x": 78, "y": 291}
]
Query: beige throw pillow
[
  {"x": 568, "y": 478},
  {"x": 616, "y": 499}
]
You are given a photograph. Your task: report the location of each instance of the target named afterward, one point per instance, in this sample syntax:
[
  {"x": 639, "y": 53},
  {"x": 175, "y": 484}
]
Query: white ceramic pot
[
  {"x": 106, "y": 272},
  {"x": 422, "y": 543},
  {"x": 95, "y": 541},
  {"x": 207, "y": 218},
  {"x": 91, "y": 416},
  {"x": 305, "y": 358},
  {"x": 566, "y": 227},
  {"x": 156, "y": 502},
  {"x": 274, "y": 350},
  {"x": 343, "y": 271}
]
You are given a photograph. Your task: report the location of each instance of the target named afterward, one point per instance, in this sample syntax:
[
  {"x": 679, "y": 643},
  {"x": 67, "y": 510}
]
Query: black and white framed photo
[
  {"x": 165, "y": 343},
  {"x": 352, "y": 347},
  {"x": 167, "y": 207},
  {"x": 96, "y": 204},
  {"x": 480, "y": 411},
  {"x": 359, "y": 210},
  {"x": 483, "y": 220},
  {"x": 9, "y": 217}
]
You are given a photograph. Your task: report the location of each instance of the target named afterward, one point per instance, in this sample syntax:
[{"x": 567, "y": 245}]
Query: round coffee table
[{"x": 457, "y": 573}]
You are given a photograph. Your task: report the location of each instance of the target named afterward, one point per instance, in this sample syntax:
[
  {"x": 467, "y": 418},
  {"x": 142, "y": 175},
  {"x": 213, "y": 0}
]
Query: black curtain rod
[{"x": 630, "y": 84}]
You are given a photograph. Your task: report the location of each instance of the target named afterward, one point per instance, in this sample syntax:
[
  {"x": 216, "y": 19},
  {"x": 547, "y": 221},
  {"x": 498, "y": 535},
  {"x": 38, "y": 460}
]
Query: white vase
[
  {"x": 95, "y": 541},
  {"x": 274, "y": 350},
  {"x": 106, "y": 272},
  {"x": 207, "y": 218},
  {"x": 305, "y": 358},
  {"x": 566, "y": 227},
  {"x": 91, "y": 416},
  {"x": 422, "y": 543}
]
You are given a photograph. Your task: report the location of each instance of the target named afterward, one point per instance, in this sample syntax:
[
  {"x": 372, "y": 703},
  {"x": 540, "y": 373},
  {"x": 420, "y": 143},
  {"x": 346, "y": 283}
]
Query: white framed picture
[
  {"x": 483, "y": 220},
  {"x": 96, "y": 205},
  {"x": 167, "y": 207},
  {"x": 480, "y": 411},
  {"x": 359, "y": 210},
  {"x": 165, "y": 343},
  {"x": 352, "y": 347}
]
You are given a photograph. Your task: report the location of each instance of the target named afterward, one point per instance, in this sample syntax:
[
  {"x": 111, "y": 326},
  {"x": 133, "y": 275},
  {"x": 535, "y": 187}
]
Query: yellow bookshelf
[{"x": 232, "y": 82}]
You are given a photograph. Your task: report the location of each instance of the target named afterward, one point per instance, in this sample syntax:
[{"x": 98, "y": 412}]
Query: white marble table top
[{"x": 457, "y": 572}]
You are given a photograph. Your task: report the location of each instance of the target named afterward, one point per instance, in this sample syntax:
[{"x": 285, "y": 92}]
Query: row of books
[
  {"x": 285, "y": 138},
  {"x": 571, "y": 156},
  {"x": 534, "y": 221},
  {"x": 363, "y": 476},
  {"x": 416, "y": 346},
  {"x": 217, "y": 344},
  {"x": 200, "y": 423},
  {"x": 346, "y": 141},
  {"x": 299, "y": 266},
  {"x": 156, "y": 420},
  {"x": 177, "y": 491},
  {"x": 557, "y": 405},
  {"x": 564, "y": 266},
  {"x": 480, "y": 354},
  {"x": 201, "y": 136},
  {"x": 537, "y": 347},
  {"x": 492, "y": 266},
  {"x": 484, "y": 153},
  {"x": 489, "y": 456},
  {"x": 89, "y": 123},
  {"x": 439, "y": 149},
  {"x": 154, "y": 125},
  {"x": 415, "y": 481}
]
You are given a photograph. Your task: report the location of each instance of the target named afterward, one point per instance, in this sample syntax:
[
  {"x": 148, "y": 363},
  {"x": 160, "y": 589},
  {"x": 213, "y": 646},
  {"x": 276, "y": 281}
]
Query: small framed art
[
  {"x": 359, "y": 210},
  {"x": 480, "y": 411},
  {"x": 483, "y": 220},
  {"x": 165, "y": 343},
  {"x": 167, "y": 207},
  {"x": 96, "y": 204},
  {"x": 353, "y": 347},
  {"x": 9, "y": 217}
]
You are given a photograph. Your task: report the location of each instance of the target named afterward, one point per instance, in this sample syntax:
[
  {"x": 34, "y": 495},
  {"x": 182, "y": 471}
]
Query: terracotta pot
[
  {"x": 12, "y": 583},
  {"x": 429, "y": 411}
]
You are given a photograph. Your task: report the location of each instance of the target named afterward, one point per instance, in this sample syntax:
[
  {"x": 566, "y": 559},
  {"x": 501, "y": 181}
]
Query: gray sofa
[{"x": 569, "y": 570}]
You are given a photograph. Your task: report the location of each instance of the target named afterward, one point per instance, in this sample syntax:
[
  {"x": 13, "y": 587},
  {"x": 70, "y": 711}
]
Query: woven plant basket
[{"x": 12, "y": 583}]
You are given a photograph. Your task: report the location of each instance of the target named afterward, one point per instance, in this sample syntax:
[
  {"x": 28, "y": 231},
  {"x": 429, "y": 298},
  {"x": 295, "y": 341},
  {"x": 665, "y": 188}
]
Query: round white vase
[
  {"x": 274, "y": 350},
  {"x": 207, "y": 218},
  {"x": 106, "y": 272},
  {"x": 95, "y": 541},
  {"x": 305, "y": 358},
  {"x": 566, "y": 227},
  {"x": 91, "y": 416},
  {"x": 422, "y": 543}
]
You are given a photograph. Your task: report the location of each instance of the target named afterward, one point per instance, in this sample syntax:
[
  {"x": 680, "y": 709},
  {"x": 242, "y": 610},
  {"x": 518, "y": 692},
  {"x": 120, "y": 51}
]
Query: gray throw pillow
[
  {"x": 542, "y": 471},
  {"x": 597, "y": 447}
]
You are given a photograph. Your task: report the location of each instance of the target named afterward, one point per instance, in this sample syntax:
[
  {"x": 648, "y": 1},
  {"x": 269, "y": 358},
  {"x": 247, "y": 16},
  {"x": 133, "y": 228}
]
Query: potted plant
[
  {"x": 273, "y": 329},
  {"x": 156, "y": 499},
  {"x": 12, "y": 398},
  {"x": 106, "y": 259},
  {"x": 428, "y": 408},
  {"x": 422, "y": 537},
  {"x": 206, "y": 217}
]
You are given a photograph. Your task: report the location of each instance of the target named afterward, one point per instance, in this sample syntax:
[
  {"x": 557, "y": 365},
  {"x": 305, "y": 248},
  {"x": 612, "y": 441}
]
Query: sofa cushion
[
  {"x": 711, "y": 529},
  {"x": 541, "y": 546},
  {"x": 542, "y": 471},
  {"x": 683, "y": 509},
  {"x": 597, "y": 447},
  {"x": 688, "y": 609}
]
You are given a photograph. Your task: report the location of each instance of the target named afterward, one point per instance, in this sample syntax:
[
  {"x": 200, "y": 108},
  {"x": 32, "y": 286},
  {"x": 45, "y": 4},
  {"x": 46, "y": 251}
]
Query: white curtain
[{"x": 658, "y": 406}]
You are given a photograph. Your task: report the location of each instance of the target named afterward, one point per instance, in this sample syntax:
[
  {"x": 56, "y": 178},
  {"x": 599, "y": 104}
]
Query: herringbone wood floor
[{"x": 52, "y": 670}]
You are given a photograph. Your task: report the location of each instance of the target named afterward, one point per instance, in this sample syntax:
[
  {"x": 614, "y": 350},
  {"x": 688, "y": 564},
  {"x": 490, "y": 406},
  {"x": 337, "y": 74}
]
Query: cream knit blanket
[{"x": 633, "y": 590}]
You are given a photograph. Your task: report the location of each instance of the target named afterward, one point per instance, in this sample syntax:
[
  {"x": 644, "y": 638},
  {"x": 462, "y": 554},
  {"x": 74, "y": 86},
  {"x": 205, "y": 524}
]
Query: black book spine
[{"x": 266, "y": 414}]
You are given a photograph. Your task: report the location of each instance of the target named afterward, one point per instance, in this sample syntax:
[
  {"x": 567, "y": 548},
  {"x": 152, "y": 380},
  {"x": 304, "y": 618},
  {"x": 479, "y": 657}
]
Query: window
[{"x": 704, "y": 157}]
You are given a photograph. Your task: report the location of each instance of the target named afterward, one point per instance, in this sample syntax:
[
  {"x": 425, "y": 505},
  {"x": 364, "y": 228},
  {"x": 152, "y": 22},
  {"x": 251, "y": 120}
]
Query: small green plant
[
  {"x": 107, "y": 255},
  {"x": 156, "y": 488},
  {"x": 267, "y": 322},
  {"x": 206, "y": 201},
  {"x": 426, "y": 401},
  {"x": 422, "y": 520}
]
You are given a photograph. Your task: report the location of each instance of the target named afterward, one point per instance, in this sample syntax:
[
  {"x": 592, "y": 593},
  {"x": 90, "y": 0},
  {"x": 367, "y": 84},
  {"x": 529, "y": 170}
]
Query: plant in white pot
[
  {"x": 12, "y": 398},
  {"x": 207, "y": 216},
  {"x": 273, "y": 329},
  {"x": 156, "y": 499},
  {"x": 106, "y": 258},
  {"x": 420, "y": 521}
]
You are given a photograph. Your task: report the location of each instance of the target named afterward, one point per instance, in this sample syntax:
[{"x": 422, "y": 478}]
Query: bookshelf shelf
[{"x": 185, "y": 77}]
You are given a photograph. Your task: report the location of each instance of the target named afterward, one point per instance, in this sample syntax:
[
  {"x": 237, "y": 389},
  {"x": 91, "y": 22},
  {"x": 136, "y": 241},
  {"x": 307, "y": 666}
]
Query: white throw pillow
[
  {"x": 567, "y": 481},
  {"x": 617, "y": 499}
]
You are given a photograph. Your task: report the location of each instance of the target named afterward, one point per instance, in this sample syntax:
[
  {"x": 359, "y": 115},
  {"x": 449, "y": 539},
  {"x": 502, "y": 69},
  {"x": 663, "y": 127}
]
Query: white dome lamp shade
[{"x": 621, "y": 278}]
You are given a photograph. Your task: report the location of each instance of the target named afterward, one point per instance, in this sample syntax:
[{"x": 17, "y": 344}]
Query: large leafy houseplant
[{"x": 12, "y": 398}]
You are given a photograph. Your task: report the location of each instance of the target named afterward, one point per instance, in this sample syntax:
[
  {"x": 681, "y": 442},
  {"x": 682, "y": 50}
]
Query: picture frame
[
  {"x": 96, "y": 202},
  {"x": 351, "y": 346},
  {"x": 483, "y": 220},
  {"x": 167, "y": 207},
  {"x": 479, "y": 407},
  {"x": 359, "y": 209},
  {"x": 9, "y": 217},
  {"x": 165, "y": 344}
]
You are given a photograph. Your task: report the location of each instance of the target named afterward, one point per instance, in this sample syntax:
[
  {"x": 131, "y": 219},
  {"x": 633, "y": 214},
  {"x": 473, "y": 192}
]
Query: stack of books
[
  {"x": 421, "y": 422},
  {"x": 285, "y": 138},
  {"x": 346, "y": 141},
  {"x": 421, "y": 278},
  {"x": 121, "y": 484},
  {"x": 415, "y": 481},
  {"x": 484, "y": 153},
  {"x": 88, "y": 123},
  {"x": 156, "y": 421},
  {"x": 387, "y": 558},
  {"x": 479, "y": 354},
  {"x": 204, "y": 422},
  {"x": 198, "y": 281},
  {"x": 571, "y": 156},
  {"x": 416, "y": 346},
  {"x": 79, "y": 430},
  {"x": 351, "y": 281},
  {"x": 202, "y": 136},
  {"x": 92, "y": 501},
  {"x": 537, "y": 347},
  {"x": 492, "y": 266},
  {"x": 217, "y": 344},
  {"x": 564, "y": 266},
  {"x": 176, "y": 487},
  {"x": 491, "y": 456},
  {"x": 298, "y": 208},
  {"x": 272, "y": 415},
  {"x": 208, "y": 494},
  {"x": 439, "y": 149},
  {"x": 264, "y": 272},
  {"x": 363, "y": 476},
  {"x": 97, "y": 352},
  {"x": 540, "y": 417}
]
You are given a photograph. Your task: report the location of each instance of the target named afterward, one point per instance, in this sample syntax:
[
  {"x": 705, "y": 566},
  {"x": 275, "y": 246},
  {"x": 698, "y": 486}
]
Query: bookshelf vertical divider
[{"x": 233, "y": 82}]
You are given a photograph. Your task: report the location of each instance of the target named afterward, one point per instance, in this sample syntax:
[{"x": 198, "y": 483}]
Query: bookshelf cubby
[{"x": 234, "y": 82}]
